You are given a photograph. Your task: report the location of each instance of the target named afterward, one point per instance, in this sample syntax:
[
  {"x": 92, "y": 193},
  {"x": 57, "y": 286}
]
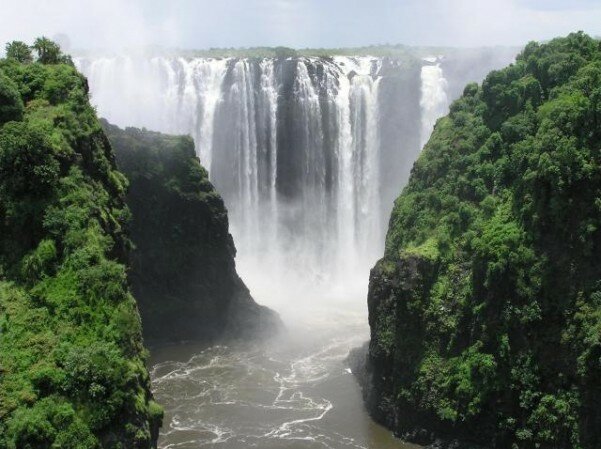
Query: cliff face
[
  {"x": 183, "y": 272},
  {"x": 72, "y": 363},
  {"x": 485, "y": 311}
]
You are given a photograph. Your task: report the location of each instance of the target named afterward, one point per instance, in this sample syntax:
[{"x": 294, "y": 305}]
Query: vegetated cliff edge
[
  {"x": 72, "y": 363},
  {"x": 485, "y": 311},
  {"x": 183, "y": 273}
]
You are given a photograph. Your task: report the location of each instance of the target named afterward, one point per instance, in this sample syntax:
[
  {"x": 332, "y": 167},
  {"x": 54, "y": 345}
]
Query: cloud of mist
[{"x": 115, "y": 24}]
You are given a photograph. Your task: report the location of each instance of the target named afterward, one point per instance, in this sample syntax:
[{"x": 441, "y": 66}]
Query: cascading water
[
  {"x": 434, "y": 101},
  {"x": 292, "y": 144},
  {"x": 309, "y": 154}
]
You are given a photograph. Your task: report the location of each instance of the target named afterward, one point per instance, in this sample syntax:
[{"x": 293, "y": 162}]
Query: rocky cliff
[
  {"x": 183, "y": 273},
  {"x": 485, "y": 311}
]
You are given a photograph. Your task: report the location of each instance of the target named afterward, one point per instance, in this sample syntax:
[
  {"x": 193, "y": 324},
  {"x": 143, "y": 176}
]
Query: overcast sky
[{"x": 113, "y": 24}]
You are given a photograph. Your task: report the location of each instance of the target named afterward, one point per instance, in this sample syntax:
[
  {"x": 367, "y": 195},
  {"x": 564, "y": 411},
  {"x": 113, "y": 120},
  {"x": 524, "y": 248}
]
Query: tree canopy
[
  {"x": 72, "y": 363},
  {"x": 19, "y": 51},
  {"x": 492, "y": 328}
]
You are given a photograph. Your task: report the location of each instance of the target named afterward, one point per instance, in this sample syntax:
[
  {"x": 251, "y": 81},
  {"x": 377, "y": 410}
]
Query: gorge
[
  {"x": 124, "y": 322},
  {"x": 309, "y": 153},
  {"x": 300, "y": 224}
]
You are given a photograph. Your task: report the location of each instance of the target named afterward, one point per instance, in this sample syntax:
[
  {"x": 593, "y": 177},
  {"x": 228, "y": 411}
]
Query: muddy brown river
[{"x": 294, "y": 392}]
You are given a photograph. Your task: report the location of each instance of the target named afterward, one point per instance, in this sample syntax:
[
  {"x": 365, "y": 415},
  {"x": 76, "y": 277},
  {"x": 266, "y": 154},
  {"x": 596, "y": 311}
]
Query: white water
[
  {"x": 305, "y": 210},
  {"x": 294, "y": 393},
  {"x": 434, "y": 99}
]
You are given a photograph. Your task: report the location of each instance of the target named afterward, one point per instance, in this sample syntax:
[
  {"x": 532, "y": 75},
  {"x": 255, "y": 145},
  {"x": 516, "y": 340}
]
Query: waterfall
[
  {"x": 296, "y": 147},
  {"x": 434, "y": 100}
]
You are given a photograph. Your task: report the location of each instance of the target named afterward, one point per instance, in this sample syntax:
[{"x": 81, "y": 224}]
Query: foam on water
[
  {"x": 295, "y": 146},
  {"x": 297, "y": 392}
]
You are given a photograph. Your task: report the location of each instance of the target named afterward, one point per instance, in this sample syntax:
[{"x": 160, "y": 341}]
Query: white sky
[{"x": 114, "y": 24}]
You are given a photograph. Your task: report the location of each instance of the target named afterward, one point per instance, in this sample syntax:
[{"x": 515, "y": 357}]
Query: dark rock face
[
  {"x": 183, "y": 272},
  {"x": 395, "y": 291},
  {"x": 384, "y": 364}
]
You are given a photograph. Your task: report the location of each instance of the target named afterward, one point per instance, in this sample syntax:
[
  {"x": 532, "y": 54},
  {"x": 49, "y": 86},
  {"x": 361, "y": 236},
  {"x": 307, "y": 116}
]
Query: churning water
[{"x": 297, "y": 392}]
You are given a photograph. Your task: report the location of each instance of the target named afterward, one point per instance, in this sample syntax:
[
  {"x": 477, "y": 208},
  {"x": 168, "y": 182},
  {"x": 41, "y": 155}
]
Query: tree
[
  {"x": 11, "y": 104},
  {"x": 492, "y": 267},
  {"x": 70, "y": 378},
  {"x": 48, "y": 51},
  {"x": 19, "y": 51}
]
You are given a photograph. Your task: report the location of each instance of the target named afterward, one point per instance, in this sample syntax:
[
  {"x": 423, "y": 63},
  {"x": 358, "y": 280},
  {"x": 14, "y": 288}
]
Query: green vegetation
[
  {"x": 19, "y": 51},
  {"x": 48, "y": 52},
  {"x": 183, "y": 273},
  {"x": 72, "y": 364},
  {"x": 492, "y": 269}
]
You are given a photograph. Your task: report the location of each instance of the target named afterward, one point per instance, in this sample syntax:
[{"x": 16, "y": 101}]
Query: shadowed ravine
[{"x": 298, "y": 224}]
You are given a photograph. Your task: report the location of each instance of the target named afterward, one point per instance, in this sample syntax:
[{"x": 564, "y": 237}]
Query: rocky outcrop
[
  {"x": 397, "y": 292},
  {"x": 183, "y": 272}
]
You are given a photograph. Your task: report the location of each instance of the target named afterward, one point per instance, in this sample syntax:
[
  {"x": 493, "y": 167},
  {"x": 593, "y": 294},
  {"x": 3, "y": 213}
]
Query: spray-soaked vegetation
[
  {"x": 486, "y": 309},
  {"x": 72, "y": 371}
]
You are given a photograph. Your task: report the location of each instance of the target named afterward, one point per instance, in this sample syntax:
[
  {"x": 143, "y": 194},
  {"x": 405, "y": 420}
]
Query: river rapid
[{"x": 296, "y": 391}]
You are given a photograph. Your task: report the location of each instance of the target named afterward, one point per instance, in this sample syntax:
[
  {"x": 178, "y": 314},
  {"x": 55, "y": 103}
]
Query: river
[{"x": 295, "y": 392}]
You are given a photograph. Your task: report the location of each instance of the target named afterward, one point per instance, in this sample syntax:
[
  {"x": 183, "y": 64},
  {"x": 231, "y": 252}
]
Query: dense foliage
[
  {"x": 72, "y": 364},
  {"x": 19, "y": 51},
  {"x": 183, "y": 273},
  {"x": 486, "y": 309},
  {"x": 47, "y": 51}
]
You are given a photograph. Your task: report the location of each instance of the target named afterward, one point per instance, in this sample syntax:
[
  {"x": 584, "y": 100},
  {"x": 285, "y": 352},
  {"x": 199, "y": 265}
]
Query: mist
[
  {"x": 308, "y": 153},
  {"x": 118, "y": 24}
]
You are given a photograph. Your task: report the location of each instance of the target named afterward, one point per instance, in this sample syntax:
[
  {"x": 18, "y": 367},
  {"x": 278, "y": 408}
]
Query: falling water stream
[{"x": 308, "y": 154}]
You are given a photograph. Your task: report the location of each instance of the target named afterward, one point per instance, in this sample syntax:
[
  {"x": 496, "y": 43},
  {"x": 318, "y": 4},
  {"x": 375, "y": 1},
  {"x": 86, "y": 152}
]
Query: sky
[{"x": 201, "y": 24}]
